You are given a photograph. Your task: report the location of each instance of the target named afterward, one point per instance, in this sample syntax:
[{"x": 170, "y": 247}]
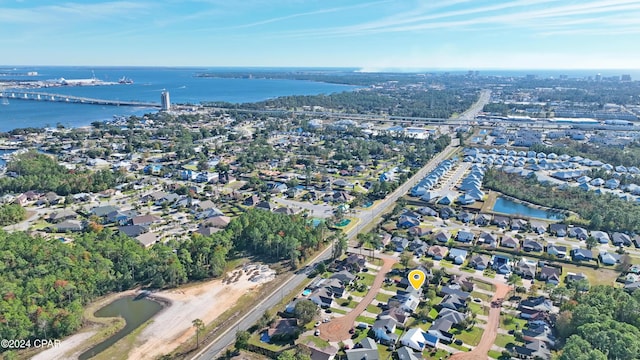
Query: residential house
[
  {"x": 406, "y": 222},
  {"x": 458, "y": 256},
  {"x": 420, "y": 231},
  {"x": 219, "y": 222},
  {"x": 447, "y": 212},
  {"x": 427, "y": 211},
  {"x": 345, "y": 277},
  {"x": 442, "y": 236},
  {"x": 501, "y": 221},
  {"x": 601, "y": 236},
  {"x": 501, "y": 264},
  {"x": 465, "y": 236},
  {"x": 145, "y": 220},
  {"x": 399, "y": 243},
  {"x": 573, "y": 277},
  {"x": 518, "y": 224},
  {"x": 581, "y": 255},
  {"x": 479, "y": 262},
  {"x": 416, "y": 339},
  {"x": 456, "y": 317},
  {"x": 454, "y": 290},
  {"x": 384, "y": 331},
  {"x": 322, "y": 297},
  {"x": 620, "y": 239},
  {"x": 526, "y": 268},
  {"x": 559, "y": 251},
  {"x": 465, "y": 217},
  {"x": 531, "y": 245},
  {"x": 252, "y": 200},
  {"x": 483, "y": 219},
  {"x": 397, "y": 314},
  {"x": 355, "y": 262},
  {"x": 535, "y": 349},
  {"x": 559, "y": 230},
  {"x": 437, "y": 252},
  {"x": 266, "y": 205},
  {"x": 322, "y": 353},
  {"x": 538, "y": 227},
  {"x": 62, "y": 215},
  {"x": 509, "y": 242},
  {"x": 367, "y": 349},
  {"x": 539, "y": 331},
  {"x": 539, "y": 303},
  {"x": 103, "y": 211},
  {"x": 406, "y": 353},
  {"x": 133, "y": 230},
  {"x": 68, "y": 225},
  {"x": 578, "y": 233},
  {"x": 550, "y": 274},
  {"x": 283, "y": 328},
  {"x": 608, "y": 259},
  {"x": 453, "y": 302},
  {"x": 441, "y": 331},
  {"x": 488, "y": 239},
  {"x": 147, "y": 239}
]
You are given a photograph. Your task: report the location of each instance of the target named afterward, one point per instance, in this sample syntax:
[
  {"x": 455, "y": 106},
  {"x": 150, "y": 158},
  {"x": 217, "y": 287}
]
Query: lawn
[
  {"x": 365, "y": 319},
  {"x": 482, "y": 296},
  {"x": 316, "y": 341},
  {"x": 469, "y": 337},
  {"x": 446, "y": 263},
  {"x": 366, "y": 279},
  {"x": 346, "y": 303},
  {"x": 433, "y": 313},
  {"x": 438, "y": 354},
  {"x": 255, "y": 340},
  {"x": 509, "y": 323},
  {"x": 494, "y": 354},
  {"x": 478, "y": 309},
  {"x": 383, "y": 298},
  {"x": 504, "y": 340},
  {"x": 338, "y": 311},
  {"x": 384, "y": 352},
  {"x": 483, "y": 285},
  {"x": 595, "y": 276},
  {"x": 374, "y": 309}
]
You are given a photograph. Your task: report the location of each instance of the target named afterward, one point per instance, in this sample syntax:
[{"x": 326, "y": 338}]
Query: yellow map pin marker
[{"x": 416, "y": 278}]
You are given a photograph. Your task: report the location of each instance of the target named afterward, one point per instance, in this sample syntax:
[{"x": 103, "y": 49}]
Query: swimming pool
[{"x": 306, "y": 292}]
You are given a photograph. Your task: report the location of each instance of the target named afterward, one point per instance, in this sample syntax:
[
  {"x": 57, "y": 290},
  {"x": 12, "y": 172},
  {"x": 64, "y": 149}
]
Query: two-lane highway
[{"x": 214, "y": 349}]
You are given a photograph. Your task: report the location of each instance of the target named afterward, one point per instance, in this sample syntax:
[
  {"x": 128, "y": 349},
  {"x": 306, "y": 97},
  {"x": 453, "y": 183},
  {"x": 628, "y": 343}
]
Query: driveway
[
  {"x": 338, "y": 328},
  {"x": 490, "y": 330}
]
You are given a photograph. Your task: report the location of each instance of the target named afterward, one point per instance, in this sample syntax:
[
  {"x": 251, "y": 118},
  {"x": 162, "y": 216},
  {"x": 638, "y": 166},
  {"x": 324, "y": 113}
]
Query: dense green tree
[
  {"x": 11, "y": 214},
  {"x": 305, "y": 310}
]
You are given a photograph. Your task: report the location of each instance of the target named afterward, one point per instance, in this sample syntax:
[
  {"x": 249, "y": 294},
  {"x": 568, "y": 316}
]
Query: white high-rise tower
[{"x": 166, "y": 102}]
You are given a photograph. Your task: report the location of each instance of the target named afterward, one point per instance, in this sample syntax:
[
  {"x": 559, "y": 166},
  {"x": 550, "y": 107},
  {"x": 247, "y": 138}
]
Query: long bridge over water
[{"x": 41, "y": 96}]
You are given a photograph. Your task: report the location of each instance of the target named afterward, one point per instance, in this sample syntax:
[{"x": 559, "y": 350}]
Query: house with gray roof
[
  {"x": 367, "y": 349},
  {"x": 458, "y": 256},
  {"x": 479, "y": 262}
]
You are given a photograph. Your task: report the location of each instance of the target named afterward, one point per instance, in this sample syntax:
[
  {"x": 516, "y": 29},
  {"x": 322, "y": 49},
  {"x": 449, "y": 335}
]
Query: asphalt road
[{"x": 214, "y": 349}]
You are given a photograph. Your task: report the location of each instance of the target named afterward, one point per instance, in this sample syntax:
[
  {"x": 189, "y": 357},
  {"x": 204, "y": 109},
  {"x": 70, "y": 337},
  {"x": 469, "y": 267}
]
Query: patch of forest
[
  {"x": 44, "y": 284},
  {"x": 603, "y": 211}
]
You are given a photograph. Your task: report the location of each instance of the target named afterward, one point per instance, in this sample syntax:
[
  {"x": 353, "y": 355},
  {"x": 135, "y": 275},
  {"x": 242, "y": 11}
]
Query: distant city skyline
[{"x": 368, "y": 35}]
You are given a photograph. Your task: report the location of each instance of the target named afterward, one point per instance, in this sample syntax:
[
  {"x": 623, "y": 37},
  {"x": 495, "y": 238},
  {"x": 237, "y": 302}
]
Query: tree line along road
[{"x": 215, "y": 348}]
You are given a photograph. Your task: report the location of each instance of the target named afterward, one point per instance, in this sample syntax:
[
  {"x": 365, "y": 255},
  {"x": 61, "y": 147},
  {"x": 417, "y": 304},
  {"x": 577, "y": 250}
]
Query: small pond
[
  {"x": 134, "y": 311},
  {"x": 510, "y": 207}
]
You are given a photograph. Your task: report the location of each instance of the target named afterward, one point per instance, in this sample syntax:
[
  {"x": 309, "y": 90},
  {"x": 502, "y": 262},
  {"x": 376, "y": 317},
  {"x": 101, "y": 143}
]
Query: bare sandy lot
[{"x": 173, "y": 324}]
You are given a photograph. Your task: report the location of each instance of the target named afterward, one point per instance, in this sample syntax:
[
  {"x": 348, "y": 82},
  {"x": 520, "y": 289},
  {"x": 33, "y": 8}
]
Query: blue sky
[{"x": 372, "y": 35}]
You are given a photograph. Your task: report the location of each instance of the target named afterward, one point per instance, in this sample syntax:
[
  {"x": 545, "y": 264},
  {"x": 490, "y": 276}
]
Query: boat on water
[{"x": 125, "y": 80}]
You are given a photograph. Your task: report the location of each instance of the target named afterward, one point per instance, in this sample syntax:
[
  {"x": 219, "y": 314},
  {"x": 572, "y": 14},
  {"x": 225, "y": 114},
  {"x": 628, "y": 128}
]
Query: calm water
[
  {"x": 135, "y": 313},
  {"x": 182, "y": 84},
  {"x": 510, "y": 207}
]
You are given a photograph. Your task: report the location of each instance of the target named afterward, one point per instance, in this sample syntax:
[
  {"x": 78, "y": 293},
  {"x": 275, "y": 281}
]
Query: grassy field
[
  {"x": 470, "y": 337},
  {"x": 374, "y": 309},
  {"x": 483, "y": 285},
  {"x": 366, "y": 279},
  {"x": 482, "y": 296},
  {"x": 504, "y": 340},
  {"x": 383, "y": 297},
  {"x": 595, "y": 276},
  {"x": 509, "y": 323},
  {"x": 435, "y": 355},
  {"x": 122, "y": 347},
  {"x": 365, "y": 319}
]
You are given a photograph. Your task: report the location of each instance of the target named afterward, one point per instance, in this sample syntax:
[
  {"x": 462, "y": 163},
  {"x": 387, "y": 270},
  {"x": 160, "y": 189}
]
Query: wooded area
[
  {"x": 44, "y": 284},
  {"x": 601, "y": 324},
  {"x": 602, "y": 211}
]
